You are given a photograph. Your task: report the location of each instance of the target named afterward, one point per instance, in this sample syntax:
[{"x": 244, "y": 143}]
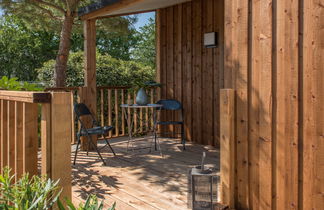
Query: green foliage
[
  {"x": 23, "y": 50},
  {"x": 13, "y": 84},
  {"x": 49, "y": 15},
  {"x": 27, "y": 193},
  {"x": 144, "y": 50},
  {"x": 30, "y": 193},
  {"x": 91, "y": 203},
  {"x": 110, "y": 71}
]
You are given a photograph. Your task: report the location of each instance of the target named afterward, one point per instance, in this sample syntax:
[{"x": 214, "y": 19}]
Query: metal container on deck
[{"x": 203, "y": 189}]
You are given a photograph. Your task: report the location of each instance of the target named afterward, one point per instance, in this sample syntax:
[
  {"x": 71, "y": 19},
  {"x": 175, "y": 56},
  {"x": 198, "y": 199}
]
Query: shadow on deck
[{"x": 139, "y": 180}]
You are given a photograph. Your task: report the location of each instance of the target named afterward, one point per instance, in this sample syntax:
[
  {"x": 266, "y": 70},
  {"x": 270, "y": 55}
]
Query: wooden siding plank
[
  {"x": 187, "y": 70},
  {"x": 170, "y": 62},
  {"x": 287, "y": 105},
  {"x": 241, "y": 99},
  {"x": 177, "y": 60},
  {"x": 263, "y": 64},
  {"x": 197, "y": 70},
  {"x": 254, "y": 112},
  {"x": 312, "y": 135},
  {"x": 207, "y": 84},
  {"x": 158, "y": 48},
  {"x": 227, "y": 147}
]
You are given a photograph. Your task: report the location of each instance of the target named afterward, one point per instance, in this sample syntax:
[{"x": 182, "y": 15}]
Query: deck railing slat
[{"x": 116, "y": 113}]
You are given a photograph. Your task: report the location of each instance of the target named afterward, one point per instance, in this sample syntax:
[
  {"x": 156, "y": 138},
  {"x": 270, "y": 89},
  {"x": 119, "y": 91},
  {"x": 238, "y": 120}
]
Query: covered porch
[
  {"x": 269, "y": 54},
  {"x": 140, "y": 180}
]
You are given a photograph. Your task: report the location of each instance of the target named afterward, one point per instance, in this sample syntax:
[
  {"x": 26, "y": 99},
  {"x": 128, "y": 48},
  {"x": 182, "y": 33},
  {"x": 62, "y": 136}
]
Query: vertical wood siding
[
  {"x": 274, "y": 60},
  {"x": 272, "y": 55},
  {"x": 190, "y": 72}
]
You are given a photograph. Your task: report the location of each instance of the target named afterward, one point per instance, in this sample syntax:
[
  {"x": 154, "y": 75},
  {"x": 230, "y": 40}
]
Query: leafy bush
[
  {"x": 13, "y": 84},
  {"x": 24, "y": 49},
  {"x": 37, "y": 193},
  {"x": 110, "y": 71},
  {"x": 91, "y": 204},
  {"x": 27, "y": 193}
]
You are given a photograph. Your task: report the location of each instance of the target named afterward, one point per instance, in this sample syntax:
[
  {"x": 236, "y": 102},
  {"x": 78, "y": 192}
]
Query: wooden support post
[
  {"x": 56, "y": 141},
  {"x": 88, "y": 94},
  {"x": 227, "y": 146}
]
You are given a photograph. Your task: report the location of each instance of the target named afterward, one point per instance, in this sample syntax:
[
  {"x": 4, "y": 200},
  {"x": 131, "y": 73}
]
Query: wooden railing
[
  {"x": 20, "y": 127},
  {"x": 109, "y": 99}
]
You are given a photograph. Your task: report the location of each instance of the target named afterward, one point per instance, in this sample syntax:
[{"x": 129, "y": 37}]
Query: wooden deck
[{"x": 139, "y": 180}]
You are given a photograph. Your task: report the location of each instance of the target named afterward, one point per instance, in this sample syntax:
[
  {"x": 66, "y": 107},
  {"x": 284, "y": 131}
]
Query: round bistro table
[{"x": 130, "y": 121}]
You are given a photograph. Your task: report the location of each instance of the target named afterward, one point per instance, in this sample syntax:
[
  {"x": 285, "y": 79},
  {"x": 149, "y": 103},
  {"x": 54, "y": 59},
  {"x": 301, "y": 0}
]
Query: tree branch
[
  {"x": 49, "y": 5},
  {"x": 48, "y": 12}
]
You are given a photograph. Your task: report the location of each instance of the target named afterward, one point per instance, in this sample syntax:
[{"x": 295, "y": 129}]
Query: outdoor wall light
[{"x": 210, "y": 39}]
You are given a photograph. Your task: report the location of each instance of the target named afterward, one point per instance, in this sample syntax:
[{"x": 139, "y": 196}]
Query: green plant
[
  {"x": 27, "y": 193},
  {"x": 91, "y": 203},
  {"x": 13, "y": 84},
  {"x": 30, "y": 193},
  {"x": 110, "y": 71}
]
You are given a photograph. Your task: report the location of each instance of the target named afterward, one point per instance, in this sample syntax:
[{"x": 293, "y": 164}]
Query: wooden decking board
[{"x": 139, "y": 181}]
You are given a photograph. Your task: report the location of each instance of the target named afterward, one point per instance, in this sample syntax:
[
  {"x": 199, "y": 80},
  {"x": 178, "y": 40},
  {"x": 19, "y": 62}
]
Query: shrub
[
  {"x": 27, "y": 193},
  {"x": 13, "y": 84},
  {"x": 37, "y": 193},
  {"x": 110, "y": 71}
]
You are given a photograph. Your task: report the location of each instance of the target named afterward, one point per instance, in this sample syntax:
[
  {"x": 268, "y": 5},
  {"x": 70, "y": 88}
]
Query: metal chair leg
[
  {"x": 95, "y": 146},
  {"x": 155, "y": 140},
  {"x": 110, "y": 147},
  {"x": 76, "y": 151},
  {"x": 183, "y": 139}
]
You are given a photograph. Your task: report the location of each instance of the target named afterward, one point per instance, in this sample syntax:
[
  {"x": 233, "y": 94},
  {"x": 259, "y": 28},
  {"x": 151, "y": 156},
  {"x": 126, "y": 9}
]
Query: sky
[{"x": 143, "y": 19}]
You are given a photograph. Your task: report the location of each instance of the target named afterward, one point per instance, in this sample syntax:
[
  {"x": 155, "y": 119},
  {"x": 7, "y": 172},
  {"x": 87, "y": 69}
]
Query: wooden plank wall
[
  {"x": 188, "y": 71},
  {"x": 274, "y": 60}
]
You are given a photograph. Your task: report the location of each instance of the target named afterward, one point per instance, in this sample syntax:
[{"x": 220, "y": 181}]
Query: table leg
[{"x": 130, "y": 128}]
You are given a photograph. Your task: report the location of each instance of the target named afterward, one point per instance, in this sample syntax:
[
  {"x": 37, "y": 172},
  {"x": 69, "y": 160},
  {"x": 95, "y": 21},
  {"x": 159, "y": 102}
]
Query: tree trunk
[{"x": 64, "y": 49}]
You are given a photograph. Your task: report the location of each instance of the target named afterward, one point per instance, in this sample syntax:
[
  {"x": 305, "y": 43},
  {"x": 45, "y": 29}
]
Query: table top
[{"x": 141, "y": 106}]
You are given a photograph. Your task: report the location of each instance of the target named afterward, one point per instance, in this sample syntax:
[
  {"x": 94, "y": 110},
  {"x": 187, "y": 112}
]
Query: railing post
[
  {"x": 56, "y": 140},
  {"x": 227, "y": 147}
]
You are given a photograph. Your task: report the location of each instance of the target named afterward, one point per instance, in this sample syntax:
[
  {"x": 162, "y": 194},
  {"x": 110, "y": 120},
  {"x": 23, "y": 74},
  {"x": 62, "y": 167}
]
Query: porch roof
[{"x": 105, "y": 8}]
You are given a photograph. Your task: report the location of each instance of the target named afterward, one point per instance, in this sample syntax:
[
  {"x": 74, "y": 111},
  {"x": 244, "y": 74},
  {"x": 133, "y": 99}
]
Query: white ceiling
[{"x": 142, "y": 6}]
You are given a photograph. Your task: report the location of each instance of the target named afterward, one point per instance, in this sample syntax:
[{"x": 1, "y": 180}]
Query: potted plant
[{"x": 141, "y": 96}]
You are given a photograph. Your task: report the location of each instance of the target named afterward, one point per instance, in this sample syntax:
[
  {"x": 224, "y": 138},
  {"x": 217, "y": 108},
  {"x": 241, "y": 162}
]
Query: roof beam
[{"x": 108, "y": 8}]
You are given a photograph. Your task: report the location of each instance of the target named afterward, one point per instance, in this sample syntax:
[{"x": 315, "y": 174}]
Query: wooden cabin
[{"x": 271, "y": 53}]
